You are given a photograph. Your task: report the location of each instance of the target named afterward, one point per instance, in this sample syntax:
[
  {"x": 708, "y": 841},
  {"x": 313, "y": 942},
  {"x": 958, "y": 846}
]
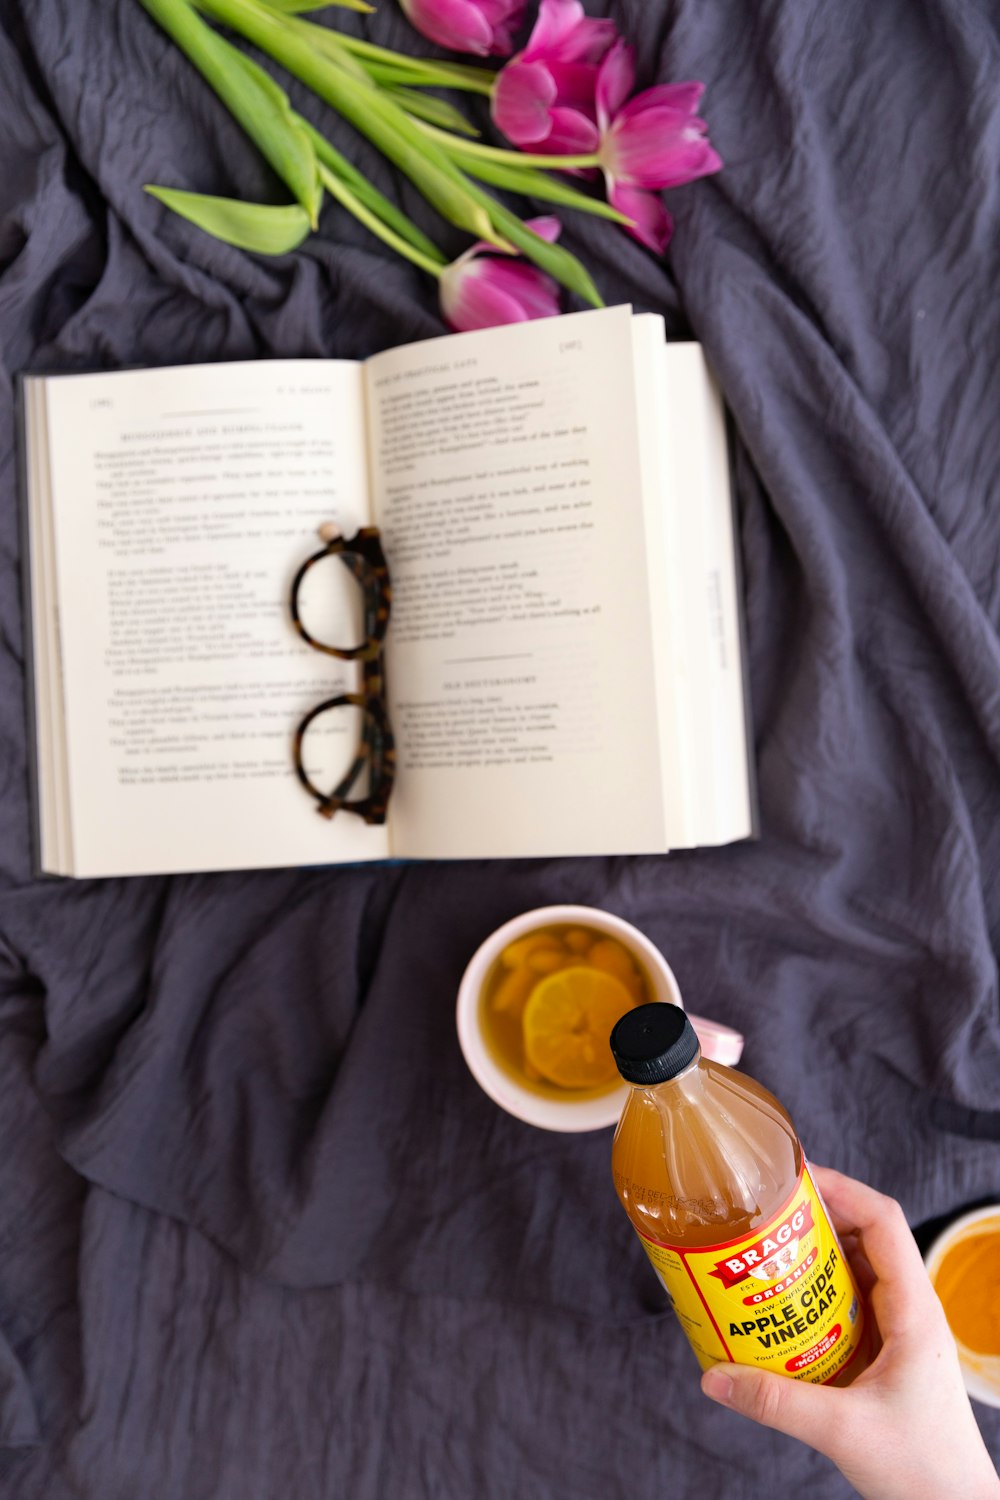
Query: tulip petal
[
  {"x": 683, "y": 97},
  {"x": 505, "y": 17},
  {"x": 536, "y": 293},
  {"x": 522, "y": 97},
  {"x": 546, "y": 226},
  {"x": 503, "y": 38},
  {"x": 575, "y": 83},
  {"x": 478, "y": 298},
  {"x": 589, "y": 42},
  {"x": 571, "y": 134},
  {"x": 503, "y": 12},
  {"x": 557, "y": 20},
  {"x": 562, "y": 33},
  {"x": 457, "y": 24},
  {"x": 658, "y": 148},
  {"x": 471, "y": 304},
  {"x": 651, "y": 225},
  {"x": 483, "y": 291},
  {"x": 700, "y": 163},
  {"x": 615, "y": 78}
]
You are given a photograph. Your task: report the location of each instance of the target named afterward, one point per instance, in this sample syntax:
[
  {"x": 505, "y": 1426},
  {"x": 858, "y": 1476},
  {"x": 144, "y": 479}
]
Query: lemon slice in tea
[{"x": 567, "y": 1022}]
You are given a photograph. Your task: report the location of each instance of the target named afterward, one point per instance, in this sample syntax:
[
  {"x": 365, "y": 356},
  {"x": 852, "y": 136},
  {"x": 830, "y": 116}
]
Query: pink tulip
[
  {"x": 652, "y": 141},
  {"x": 483, "y": 291},
  {"x": 480, "y": 26},
  {"x": 544, "y": 97}
]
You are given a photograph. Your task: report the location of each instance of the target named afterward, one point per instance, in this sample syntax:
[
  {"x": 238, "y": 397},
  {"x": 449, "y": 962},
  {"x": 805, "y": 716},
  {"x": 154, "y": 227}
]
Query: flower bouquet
[{"x": 564, "y": 101}]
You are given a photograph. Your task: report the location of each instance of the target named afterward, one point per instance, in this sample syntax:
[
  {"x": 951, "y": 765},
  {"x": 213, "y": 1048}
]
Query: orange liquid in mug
[
  {"x": 552, "y": 1038},
  {"x": 968, "y": 1284}
]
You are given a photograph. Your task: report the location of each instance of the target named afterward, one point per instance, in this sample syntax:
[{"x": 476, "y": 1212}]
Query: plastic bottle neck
[{"x": 688, "y": 1081}]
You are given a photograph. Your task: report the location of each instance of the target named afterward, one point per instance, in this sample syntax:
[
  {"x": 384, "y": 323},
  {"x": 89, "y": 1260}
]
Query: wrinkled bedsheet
[{"x": 260, "y": 1234}]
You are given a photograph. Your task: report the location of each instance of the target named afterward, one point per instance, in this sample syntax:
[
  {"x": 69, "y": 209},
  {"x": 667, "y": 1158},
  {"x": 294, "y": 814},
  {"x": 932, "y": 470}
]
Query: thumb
[{"x": 795, "y": 1407}]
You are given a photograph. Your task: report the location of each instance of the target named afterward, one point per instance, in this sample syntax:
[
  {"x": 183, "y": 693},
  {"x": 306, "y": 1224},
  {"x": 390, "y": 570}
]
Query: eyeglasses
[{"x": 364, "y": 560}]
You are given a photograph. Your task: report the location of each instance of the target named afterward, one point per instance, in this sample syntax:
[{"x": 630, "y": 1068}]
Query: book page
[
  {"x": 709, "y": 669},
  {"x": 183, "y": 502},
  {"x": 507, "y": 483},
  {"x": 669, "y": 560},
  {"x": 692, "y": 555}
]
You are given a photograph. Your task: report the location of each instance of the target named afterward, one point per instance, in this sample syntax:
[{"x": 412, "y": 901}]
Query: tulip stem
[
  {"x": 339, "y": 190},
  {"x": 447, "y": 74},
  {"x": 377, "y": 202},
  {"x": 458, "y": 147}
]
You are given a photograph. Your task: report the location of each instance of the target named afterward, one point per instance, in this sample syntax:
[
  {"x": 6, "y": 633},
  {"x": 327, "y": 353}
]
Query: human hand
[{"x": 904, "y": 1429}]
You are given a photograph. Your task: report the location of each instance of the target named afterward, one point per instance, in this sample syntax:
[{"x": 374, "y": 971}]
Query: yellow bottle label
[{"x": 782, "y": 1298}]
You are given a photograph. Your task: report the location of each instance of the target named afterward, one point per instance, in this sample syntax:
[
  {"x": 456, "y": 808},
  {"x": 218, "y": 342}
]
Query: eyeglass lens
[
  {"x": 335, "y": 601},
  {"x": 333, "y": 754}
]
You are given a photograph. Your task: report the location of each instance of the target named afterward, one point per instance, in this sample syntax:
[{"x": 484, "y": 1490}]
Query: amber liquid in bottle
[{"x": 705, "y": 1162}]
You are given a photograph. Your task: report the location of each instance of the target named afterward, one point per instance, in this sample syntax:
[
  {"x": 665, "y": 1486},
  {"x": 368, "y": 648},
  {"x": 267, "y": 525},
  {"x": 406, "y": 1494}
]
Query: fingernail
[{"x": 717, "y": 1384}]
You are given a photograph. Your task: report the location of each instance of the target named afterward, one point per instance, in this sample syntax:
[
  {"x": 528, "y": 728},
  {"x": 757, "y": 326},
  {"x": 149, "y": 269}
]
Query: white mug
[
  {"x": 720, "y": 1043},
  {"x": 981, "y": 1372}
]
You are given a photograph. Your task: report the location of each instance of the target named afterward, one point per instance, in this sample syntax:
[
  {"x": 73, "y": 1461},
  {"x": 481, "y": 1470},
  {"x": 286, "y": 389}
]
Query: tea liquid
[
  {"x": 710, "y": 1171},
  {"x": 516, "y": 975}
]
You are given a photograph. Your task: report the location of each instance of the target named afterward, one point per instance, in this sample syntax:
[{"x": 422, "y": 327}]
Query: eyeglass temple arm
[{"x": 329, "y": 805}]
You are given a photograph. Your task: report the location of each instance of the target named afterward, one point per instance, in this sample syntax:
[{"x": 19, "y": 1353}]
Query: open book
[{"x": 563, "y": 662}]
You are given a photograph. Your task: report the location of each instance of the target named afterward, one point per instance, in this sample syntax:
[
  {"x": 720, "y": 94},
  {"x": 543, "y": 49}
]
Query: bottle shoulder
[{"x": 705, "y": 1158}]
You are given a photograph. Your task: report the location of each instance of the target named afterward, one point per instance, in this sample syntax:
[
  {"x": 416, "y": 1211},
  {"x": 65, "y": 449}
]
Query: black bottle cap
[{"x": 653, "y": 1043}]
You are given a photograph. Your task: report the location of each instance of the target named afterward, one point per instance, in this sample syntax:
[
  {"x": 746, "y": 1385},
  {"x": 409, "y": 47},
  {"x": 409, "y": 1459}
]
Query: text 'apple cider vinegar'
[{"x": 709, "y": 1169}]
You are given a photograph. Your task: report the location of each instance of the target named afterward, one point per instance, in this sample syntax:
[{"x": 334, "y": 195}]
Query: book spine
[{"x": 28, "y": 656}]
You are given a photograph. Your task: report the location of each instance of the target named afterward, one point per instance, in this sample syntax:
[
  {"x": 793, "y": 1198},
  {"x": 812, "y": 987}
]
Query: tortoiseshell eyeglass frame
[{"x": 362, "y": 555}]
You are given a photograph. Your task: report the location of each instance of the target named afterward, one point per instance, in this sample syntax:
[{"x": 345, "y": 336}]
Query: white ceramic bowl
[
  {"x": 981, "y": 1372},
  {"x": 571, "y": 1114}
]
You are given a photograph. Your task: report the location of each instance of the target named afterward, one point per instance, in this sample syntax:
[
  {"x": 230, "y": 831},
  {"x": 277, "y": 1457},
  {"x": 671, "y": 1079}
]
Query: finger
[
  {"x": 812, "y": 1413},
  {"x": 902, "y": 1293},
  {"x": 864, "y": 1276},
  {"x": 850, "y": 1243},
  {"x": 842, "y": 1225}
]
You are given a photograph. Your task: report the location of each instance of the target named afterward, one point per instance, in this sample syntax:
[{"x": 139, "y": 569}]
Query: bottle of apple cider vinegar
[{"x": 710, "y": 1171}]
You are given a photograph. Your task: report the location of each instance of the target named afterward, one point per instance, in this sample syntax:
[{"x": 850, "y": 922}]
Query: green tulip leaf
[
  {"x": 297, "y": 7},
  {"x": 365, "y": 106},
  {"x": 250, "y": 95},
  {"x": 267, "y": 228}
]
